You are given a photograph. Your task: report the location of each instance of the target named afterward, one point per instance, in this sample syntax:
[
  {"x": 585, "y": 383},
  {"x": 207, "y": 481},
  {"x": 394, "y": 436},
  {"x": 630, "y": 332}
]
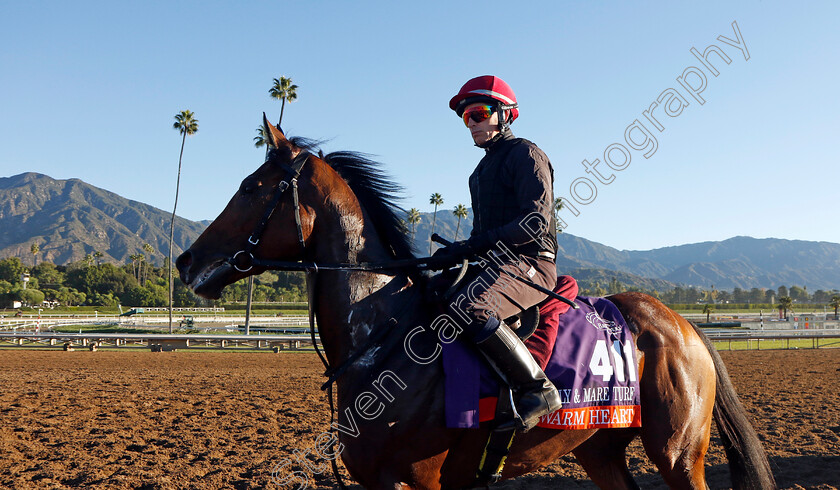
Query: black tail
[{"x": 748, "y": 464}]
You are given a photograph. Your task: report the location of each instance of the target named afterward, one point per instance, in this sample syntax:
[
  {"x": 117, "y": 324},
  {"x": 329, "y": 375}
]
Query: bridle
[
  {"x": 244, "y": 260},
  {"x": 293, "y": 172},
  {"x": 291, "y": 181}
]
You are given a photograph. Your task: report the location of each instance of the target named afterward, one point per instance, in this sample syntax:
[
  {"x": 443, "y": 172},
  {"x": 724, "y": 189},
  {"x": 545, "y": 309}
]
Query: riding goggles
[{"x": 478, "y": 114}]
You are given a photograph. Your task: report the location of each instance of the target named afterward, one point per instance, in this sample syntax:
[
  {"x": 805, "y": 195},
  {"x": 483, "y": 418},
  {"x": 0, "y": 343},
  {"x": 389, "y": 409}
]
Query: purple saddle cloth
[{"x": 593, "y": 365}]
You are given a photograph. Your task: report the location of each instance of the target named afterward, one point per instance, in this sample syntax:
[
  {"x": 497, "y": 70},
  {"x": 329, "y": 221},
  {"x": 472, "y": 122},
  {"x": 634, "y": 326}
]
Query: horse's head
[
  {"x": 262, "y": 211},
  {"x": 336, "y": 224}
]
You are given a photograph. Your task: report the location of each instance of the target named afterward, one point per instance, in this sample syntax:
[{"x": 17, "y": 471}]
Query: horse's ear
[{"x": 275, "y": 136}]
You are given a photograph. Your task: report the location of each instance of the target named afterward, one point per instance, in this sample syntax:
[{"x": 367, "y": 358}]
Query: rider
[{"x": 512, "y": 201}]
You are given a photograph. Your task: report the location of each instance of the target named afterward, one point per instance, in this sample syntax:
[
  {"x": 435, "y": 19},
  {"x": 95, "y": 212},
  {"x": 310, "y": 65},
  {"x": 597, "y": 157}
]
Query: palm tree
[
  {"x": 785, "y": 304},
  {"x": 98, "y": 256},
  {"x": 413, "y": 218},
  {"x": 558, "y": 205},
  {"x": 261, "y": 139},
  {"x": 141, "y": 259},
  {"x": 461, "y": 212},
  {"x": 437, "y": 200},
  {"x": 137, "y": 264},
  {"x": 186, "y": 124},
  {"x": 283, "y": 90},
  {"x": 89, "y": 259},
  {"x": 708, "y": 310},
  {"x": 133, "y": 259},
  {"x": 34, "y": 249},
  {"x": 835, "y": 303},
  {"x": 151, "y": 251}
]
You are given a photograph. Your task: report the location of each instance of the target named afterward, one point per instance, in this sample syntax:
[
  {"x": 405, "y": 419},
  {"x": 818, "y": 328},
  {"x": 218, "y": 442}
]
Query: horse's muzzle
[{"x": 183, "y": 263}]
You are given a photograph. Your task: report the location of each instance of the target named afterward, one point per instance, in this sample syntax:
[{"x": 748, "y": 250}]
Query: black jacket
[{"x": 513, "y": 198}]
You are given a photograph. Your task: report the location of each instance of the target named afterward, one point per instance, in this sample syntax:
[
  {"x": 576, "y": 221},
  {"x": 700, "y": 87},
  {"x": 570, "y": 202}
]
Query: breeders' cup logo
[{"x": 601, "y": 324}]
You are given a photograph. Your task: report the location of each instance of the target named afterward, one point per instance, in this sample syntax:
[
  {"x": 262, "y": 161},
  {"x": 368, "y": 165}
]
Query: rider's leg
[
  {"x": 491, "y": 296},
  {"x": 535, "y": 394}
]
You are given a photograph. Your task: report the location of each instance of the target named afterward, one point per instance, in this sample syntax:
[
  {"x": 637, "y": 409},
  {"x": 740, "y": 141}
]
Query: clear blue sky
[{"x": 89, "y": 90}]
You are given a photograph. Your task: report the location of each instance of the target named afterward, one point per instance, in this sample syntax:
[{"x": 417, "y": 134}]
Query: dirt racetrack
[{"x": 186, "y": 419}]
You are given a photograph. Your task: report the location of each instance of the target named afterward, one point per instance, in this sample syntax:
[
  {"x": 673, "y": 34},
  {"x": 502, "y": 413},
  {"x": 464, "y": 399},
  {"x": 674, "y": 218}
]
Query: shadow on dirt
[{"x": 798, "y": 472}]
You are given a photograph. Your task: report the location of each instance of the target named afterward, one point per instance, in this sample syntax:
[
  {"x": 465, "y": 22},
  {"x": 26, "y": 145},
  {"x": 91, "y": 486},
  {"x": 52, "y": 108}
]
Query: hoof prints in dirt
[{"x": 135, "y": 420}]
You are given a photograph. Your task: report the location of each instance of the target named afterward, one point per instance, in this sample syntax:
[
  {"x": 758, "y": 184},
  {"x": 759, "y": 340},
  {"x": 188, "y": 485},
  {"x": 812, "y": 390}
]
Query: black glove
[{"x": 457, "y": 251}]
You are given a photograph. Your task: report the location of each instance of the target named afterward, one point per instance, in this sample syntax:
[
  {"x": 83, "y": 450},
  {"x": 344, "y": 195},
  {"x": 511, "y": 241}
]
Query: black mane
[{"x": 375, "y": 191}]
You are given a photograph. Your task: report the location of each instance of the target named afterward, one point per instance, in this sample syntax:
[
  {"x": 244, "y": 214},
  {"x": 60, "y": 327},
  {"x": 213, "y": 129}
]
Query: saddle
[
  {"x": 441, "y": 287},
  {"x": 439, "y": 290}
]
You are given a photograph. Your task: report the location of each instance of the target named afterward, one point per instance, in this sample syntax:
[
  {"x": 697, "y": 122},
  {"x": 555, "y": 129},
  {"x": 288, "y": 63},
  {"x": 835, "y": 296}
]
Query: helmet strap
[{"x": 504, "y": 114}]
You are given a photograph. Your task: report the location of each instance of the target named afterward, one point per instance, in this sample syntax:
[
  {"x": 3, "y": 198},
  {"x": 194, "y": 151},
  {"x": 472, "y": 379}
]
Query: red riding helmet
[{"x": 482, "y": 88}]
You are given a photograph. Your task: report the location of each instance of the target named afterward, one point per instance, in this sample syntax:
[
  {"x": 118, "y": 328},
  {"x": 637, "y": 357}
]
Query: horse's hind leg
[
  {"x": 677, "y": 388},
  {"x": 604, "y": 459}
]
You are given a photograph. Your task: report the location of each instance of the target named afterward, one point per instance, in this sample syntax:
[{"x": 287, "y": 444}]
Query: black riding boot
[{"x": 535, "y": 395}]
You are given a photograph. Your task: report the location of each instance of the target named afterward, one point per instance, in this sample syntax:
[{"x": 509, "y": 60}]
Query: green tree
[
  {"x": 835, "y": 303},
  {"x": 31, "y": 297},
  {"x": 785, "y": 304},
  {"x": 34, "y": 249},
  {"x": 798, "y": 294},
  {"x": 184, "y": 297},
  {"x": 437, "y": 200},
  {"x": 103, "y": 279},
  {"x": 88, "y": 260},
  {"x": 98, "y": 256},
  {"x": 413, "y": 218},
  {"x": 756, "y": 295},
  {"x": 70, "y": 296},
  {"x": 283, "y": 90},
  {"x": 10, "y": 269},
  {"x": 48, "y": 274},
  {"x": 821, "y": 296},
  {"x": 461, "y": 212},
  {"x": 102, "y": 299},
  {"x": 187, "y": 125},
  {"x": 152, "y": 295}
]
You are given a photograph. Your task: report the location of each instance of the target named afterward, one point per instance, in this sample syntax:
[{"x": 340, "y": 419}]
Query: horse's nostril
[{"x": 183, "y": 261}]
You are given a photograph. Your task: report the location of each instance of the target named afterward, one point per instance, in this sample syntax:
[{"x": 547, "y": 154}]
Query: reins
[
  {"x": 334, "y": 373},
  {"x": 311, "y": 298},
  {"x": 244, "y": 260}
]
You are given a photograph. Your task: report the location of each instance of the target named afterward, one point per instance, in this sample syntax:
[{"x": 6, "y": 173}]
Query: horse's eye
[{"x": 249, "y": 185}]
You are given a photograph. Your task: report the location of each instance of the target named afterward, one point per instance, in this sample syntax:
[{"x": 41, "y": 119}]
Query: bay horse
[{"x": 343, "y": 211}]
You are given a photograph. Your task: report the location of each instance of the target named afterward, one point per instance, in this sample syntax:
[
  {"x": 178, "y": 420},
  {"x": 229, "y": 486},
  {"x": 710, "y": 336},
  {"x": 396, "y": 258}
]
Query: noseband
[
  {"x": 244, "y": 260},
  {"x": 293, "y": 172}
]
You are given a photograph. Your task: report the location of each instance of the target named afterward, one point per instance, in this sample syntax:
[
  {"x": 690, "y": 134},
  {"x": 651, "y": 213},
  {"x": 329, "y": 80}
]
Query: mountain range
[
  {"x": 70, "y": 218},
  {"x": 738, "y": 262}
]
